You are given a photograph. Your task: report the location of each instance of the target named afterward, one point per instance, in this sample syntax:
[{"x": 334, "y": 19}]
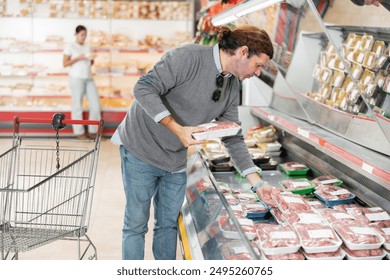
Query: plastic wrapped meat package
[
  {"x": 217, "y": 130},
  {"x": 278, "y": 216},
  {"x": 235, "y": 251},
  {"x": 333, "y": 195},
  {"x": 277, "y": 239},
  {"x": 383, "y": 228},
  {"x": 368, "y": 215},
  {"x": 358, "y": 235},
  {"x": 317, "y": 238},
  {"x": 315, "y": 203},
  {"x": 293, "y": 256},
  {"x": 333, "y": 215},
  {"x": 338, "y": 255},
  {"x": 229, "y": 230},
  {"x": 294, "y": 168},
  {"x": 304, "y": 216},
  {"x": 268, "y": 198},
  {"x": 255, "y": 210},
  {"x": 292, "y": 202},
  {"x": 368, "y": 254},
  {"x": 298, "y": 186},
  {"x": 327, "y": 180},
  {"x": 245, "y": 197}
]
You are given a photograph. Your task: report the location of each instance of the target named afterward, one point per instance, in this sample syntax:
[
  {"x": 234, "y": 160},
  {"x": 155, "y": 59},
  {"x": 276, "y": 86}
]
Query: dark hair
[
  {"x": 257, "y": 40},
  {"x": 80, "y": 28}
]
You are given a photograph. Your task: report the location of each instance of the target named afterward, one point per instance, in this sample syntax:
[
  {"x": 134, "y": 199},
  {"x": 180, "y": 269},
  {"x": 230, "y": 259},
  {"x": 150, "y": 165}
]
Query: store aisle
[{"x": 107, "y": 213}]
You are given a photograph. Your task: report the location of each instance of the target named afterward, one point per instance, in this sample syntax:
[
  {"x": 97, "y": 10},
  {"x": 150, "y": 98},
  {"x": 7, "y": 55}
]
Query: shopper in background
[
  {"x": 177, "y": 95},
  {"x": 79, "y": 57},
  {"x": 384, "y": 3}
]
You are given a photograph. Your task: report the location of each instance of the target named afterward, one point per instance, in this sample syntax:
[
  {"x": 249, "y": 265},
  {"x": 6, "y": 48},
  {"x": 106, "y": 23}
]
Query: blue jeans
[{"x": 142, "y": 182}]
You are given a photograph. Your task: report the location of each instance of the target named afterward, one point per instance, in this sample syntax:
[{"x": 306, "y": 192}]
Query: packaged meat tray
[
  {"x": 333, "y": 215},
  {"x": 327, "y": 180},
  {"x": 292, "y": 202},
  {"x": 317, "y": 238},
  {"x": 270, "y": 147},
  {"x": 294, "y": 168},
  {"x": 217, "y": 159},
  {"x": 264, "y": 133},
  {"x": 255, "y": 210},
  {"x": 338, "y": 255},
  {"x": 224, "y": 188},
  {"x": 217, "y": 130},
  {"x": 387, "y": 253},
  {"x": 258, "y": 156},
  {"x": 383, "y": 228},
  {"x": 333, "y": 195},
  {"x": 234, "y": 251},
  {"x": 271, "y": 165},
  {"x": 370, "y": 254},
  {"x": 358, "y": 235},
  {"x": 222, "y": 167},
  {"x": 346, "y": 207},
  {"x": 307, "y": 217},
  {"x": 277, "y": 239},
  {"x": 250, "y": 143},
  {"x": 298, "y": 186},
  {"x": 369, "y": 215},
  {"x": 246, "y": 196},
  {"x": 293, "y": 256},
  {"x": 278, "y": 216},
  {"x": 229, "y": 230}
]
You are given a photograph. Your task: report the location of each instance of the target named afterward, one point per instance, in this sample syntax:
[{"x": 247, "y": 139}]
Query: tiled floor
[{"x": 107, "y": 213}]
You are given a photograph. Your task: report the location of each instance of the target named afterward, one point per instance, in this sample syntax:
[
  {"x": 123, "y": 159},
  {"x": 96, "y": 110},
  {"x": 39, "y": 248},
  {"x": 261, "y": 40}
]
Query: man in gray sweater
[{"x": 189, "y": 86}]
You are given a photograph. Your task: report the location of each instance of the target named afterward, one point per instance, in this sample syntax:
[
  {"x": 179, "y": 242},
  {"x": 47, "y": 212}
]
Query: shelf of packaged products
[
  {"x": 370, "y": 163},
  {"x": 96, "y": 50}
]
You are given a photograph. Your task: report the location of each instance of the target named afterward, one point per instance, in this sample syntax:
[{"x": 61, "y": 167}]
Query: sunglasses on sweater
[{"x": 217, "y": 93}]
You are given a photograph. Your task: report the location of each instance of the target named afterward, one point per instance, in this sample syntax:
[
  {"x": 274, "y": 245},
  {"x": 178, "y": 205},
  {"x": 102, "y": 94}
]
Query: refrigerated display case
[{"x": 350, "y": 142}]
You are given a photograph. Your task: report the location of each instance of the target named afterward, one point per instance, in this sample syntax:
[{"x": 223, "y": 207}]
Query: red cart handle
[{"x": 18, "y": 121}]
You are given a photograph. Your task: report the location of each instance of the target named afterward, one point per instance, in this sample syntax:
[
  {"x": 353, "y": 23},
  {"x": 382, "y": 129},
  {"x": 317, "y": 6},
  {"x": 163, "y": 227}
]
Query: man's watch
[{"x": 257, "y": 185}]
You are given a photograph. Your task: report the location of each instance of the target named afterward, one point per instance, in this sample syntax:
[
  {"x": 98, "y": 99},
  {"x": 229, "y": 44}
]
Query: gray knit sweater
[{"x": 181, "y": 84}]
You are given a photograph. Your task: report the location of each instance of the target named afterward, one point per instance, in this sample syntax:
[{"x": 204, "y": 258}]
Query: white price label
[
  {"x": 300, "y": 184},
  {"x": 363, "y": 230},
  {"x": 290, "y": 199},
  {"x": 271, "y": 118},
  {"x": 386, "y": 231},
  {"x": 340, "y": 192},
  {"x": 367, "y": 167},
  {"x": 314, "y": 202},
  {"x": 320, "y": 233},
  {"x": 340, "y": 216},
  {"x": 282, "y": 235},
  {"x": 383, "y": 216},
  {"x": 303, "y": 132},
  {"x": 328, "y": 182},
  {"x": 309, "y": 218},
  {"x": 297, "y": 165}
]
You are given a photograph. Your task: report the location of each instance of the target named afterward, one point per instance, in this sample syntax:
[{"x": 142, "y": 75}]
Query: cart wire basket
[{"x": 46, "y": 188}]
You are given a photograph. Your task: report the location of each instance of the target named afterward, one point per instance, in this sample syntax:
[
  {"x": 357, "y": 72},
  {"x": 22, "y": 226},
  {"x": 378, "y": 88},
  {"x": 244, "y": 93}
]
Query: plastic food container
[
  {"x": 271, "y": 165},
  {"x": 356, "y": 71},
  {"x": 338, "y": 255},
  {"x": 358, "y": 235},
  {"x": 228, "y": 230},
  {"x": 277, "y": 239},
  {"x": 264, "y": 133},
  {"x": 383, "y": 228},
  {"x": 367, "y": 42},
  {"x": 369, "y": 60},
  {"x": 316, "y": 203},
  {"x": 270, "y": 147},
  {"x": 217, "y": 130},
  {"x": 369, "y": 215},
  {"x": 367, "y": 77},
  {"x": 337, "y": 78},
  {"x": 348, "y": 84},
  {"x": 222, "y": 167},
  {"x": 373, "y": 254},
  {"x": 294, "y": 256},
  {"x": 307, "y": 217},
  {"x": 333, "y": 215},
  {"x": 250, "y": 143},
  {"x": 327, "y": 180},
  {"x": 278, "y": 216},
  {"x": 378, "y": 48},
  {"x": 332, "y": 195},
  {"x": 317, "y": 238},
  {"x": 294, "y": 168},
  {"x": 291, "y": 202},
  {"x": 298, "y": 186},
  {"x": 256, "y": 210}
]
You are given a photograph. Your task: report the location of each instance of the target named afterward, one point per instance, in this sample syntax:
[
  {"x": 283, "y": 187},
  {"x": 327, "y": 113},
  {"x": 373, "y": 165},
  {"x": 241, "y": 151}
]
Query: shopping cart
[{"x": 46, "y": 189}]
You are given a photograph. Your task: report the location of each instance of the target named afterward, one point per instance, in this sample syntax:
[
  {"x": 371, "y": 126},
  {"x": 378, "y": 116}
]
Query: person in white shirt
[{"x": 79, "y": 57}]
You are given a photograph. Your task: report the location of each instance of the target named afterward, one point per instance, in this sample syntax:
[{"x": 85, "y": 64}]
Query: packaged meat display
[
  {"x": 271, "y": 165},
  {"x": 258, "y": 156},
  {"x": 277, "y": 214},
  {"x": 231, "y": 199},
  {"x": 315, "y": 203},
  {"x": 293, "y": 256},
  {"x": 332, "y": 195},
  {"x": 317, "y": 238},
  {"x": 294, "y": 168},
  {"x": 270, "y": 147},
  {"x": 292, "y": 202},
  {"x": 246, "y": 196},
  {"x": 240, "y": 256},
  {"x": 255, "y": 210},
  {"x": 358, "y": 235},
  {"x": 277, "y": 239},
  {"x": 222, "y": 167},
  {"x": 224, "y": 188},
  {"x": 333, "y": 215},
  {"x": 217, "y": 130},
  {"x": 387, "y": 253},
  {"x": 338, "y": 255},
  {"x": 234, "y": 251},
  {"x": 229, "y": 230},
  {"x": 298, "y": 186},
  {"x": 369, "y": 254},
  {"x": 368, "y": 215},
  {"x": 264, "y": 134},
  {"x": 250, "y": 143},
  {"x": 327, "y": 180},
  {"x": 346, "y": 207},
  {"x": 383, "y": 228},
  {"x": 268, "y": 199}
]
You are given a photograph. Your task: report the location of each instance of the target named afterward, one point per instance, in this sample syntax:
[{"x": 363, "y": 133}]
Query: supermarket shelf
[{"x": 369, "y": 163}]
